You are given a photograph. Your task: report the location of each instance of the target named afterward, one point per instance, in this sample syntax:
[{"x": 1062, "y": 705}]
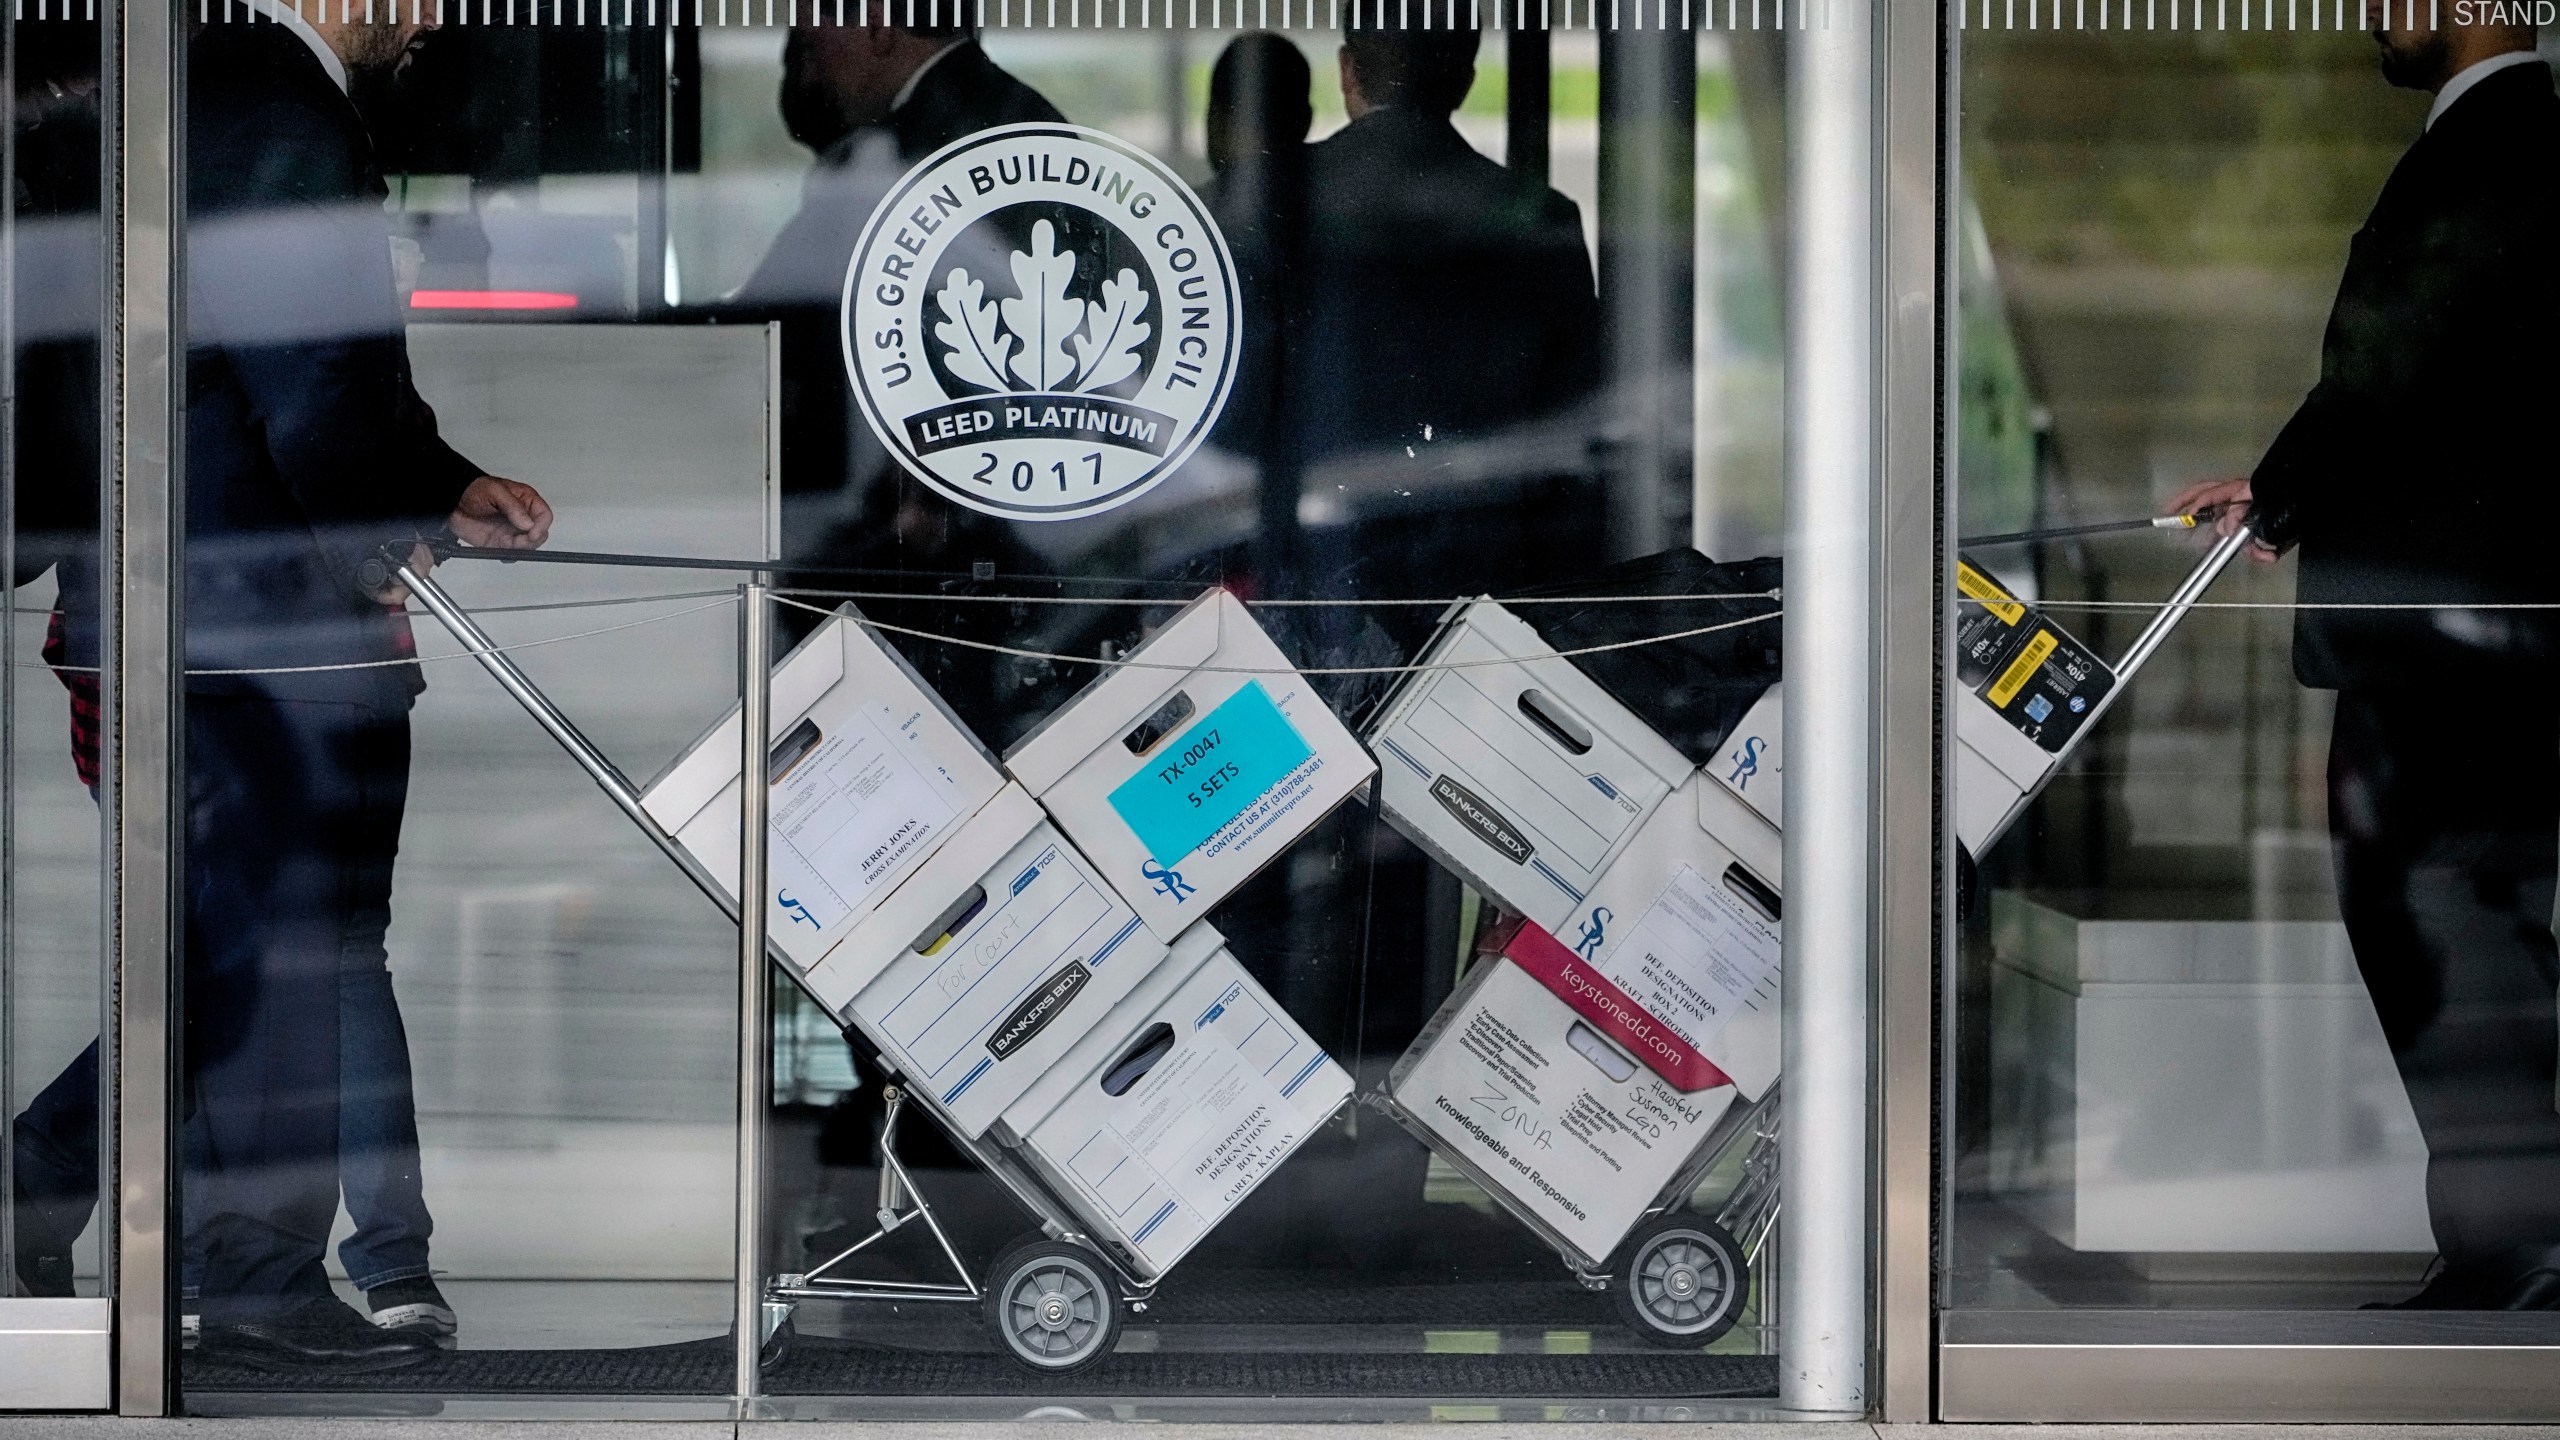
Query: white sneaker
[{"x": 412, "y": 1305}]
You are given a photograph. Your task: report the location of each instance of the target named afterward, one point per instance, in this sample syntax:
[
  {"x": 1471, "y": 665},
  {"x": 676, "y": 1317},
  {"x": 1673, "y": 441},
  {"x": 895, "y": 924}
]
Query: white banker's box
[
  {"x": 990, "y": 962},
  {"x": 1580, "y": 1074},
  {"x": 870, "y": 774},
  {"x": 1187, "y": 769},
  {"x": 1685, "y": 924},
  {"x": 1521, "y": 1091},
  {"x": 923, "y": 897},
  {"x": 1514, "y": 767},
  {"x": 1177, "y": 1105}
]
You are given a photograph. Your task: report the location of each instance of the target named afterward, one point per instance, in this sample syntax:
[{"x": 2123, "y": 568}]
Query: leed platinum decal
[{"x": 1040, "y": 322}]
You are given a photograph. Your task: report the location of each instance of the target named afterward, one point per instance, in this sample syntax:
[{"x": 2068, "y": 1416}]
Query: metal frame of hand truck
[
  {"x": 900, "y": 1201},
  {"x": 1748, "y": 1213},
  {"x": 1750, "y": 1210}
]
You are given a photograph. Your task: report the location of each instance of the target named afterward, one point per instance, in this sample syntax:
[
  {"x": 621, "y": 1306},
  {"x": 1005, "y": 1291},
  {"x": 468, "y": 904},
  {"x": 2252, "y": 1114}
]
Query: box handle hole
[
  {"x": 952, "y": 921},
  {"x": 1559, "y": 723},
  {"x": 1607, "y": 1058},
  {"x": 1754, "y": 891},
  {"x": 1152, "y": 730},
  {"x": 1132, "y": 1067},
  {"x": 791, "y": 749}
]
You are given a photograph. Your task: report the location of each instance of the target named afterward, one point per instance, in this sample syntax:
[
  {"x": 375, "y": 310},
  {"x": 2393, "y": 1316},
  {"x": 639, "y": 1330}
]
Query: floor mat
[
  {"x": 1298, "y": 1297},
  {"x": 825, "y": 1367}
]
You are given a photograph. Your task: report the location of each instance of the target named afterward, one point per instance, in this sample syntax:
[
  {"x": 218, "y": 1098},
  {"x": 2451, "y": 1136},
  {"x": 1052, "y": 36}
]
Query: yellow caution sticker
[
  {"x": 1976, "y": 586},
  {"x": 2022, "y": 669}
]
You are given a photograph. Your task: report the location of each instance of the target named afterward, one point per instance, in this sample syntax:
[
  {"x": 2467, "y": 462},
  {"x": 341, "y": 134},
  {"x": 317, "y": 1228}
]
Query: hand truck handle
[
  {"x": 2182, "y": 600},
  {"x": 2164, "y": 620}
]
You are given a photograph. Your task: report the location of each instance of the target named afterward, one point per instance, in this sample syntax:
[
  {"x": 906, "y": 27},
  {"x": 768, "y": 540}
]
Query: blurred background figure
[
  {"x": 1450, "y": 297},
  {"x": 1260, "y": 108},
  {"x": 1417, "y": 408},
  {"x": 310, "y": 456},
  {"x": 1260, "y": 104},
  {"x": 868, "y": 101},
  {"x": 2435, "y": 374}
]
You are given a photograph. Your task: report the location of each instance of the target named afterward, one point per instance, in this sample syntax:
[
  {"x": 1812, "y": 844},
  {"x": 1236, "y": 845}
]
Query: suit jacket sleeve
[
  {"x": 2435, "y": 309},
  {"x": 292, "y": 285},
  {"x": 1573, "y": 363}
]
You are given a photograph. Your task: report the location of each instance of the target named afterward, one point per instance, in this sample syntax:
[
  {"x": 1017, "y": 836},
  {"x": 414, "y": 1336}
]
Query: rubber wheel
[
  {"x": 777, "y": 1346},
  {"x": 1682, "y": 1281},
  {"x": 1054, "y": 1305}
]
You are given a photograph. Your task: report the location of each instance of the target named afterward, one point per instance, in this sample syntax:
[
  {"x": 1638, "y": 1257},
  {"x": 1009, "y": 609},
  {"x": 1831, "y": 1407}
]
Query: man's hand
[
  {"x": 2229, "y": 502},
  {"x": 496, "y": 514}
]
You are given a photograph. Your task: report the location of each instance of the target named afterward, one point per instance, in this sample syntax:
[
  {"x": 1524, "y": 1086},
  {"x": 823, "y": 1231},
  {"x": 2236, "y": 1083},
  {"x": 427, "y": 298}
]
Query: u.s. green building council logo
[{"x": 1040, "y": 321}]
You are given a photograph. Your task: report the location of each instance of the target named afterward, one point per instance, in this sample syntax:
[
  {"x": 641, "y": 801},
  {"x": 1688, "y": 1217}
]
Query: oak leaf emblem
[{"x": 1043, "y": 338}]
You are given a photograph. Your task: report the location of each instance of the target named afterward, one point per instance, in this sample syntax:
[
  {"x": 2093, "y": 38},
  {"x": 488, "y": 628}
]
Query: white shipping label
[
  {"x": 851, "y": 813},
  {"x": 1700, "y": 956}
]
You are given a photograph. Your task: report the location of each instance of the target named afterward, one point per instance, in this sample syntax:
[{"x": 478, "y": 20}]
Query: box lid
[
  {"x": 708, "y": 765},
  {"x": 1130, "y": 689}
]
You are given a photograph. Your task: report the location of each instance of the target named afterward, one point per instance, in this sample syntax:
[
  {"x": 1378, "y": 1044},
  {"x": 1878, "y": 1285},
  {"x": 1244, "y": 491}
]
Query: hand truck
[
  {"x": 1053, "y": 1298},
  {"x": 1681, "y": 1279}
]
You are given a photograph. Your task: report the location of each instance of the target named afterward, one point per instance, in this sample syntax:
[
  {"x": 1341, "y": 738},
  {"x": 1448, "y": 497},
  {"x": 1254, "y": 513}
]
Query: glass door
[{"x": 2250, "y": 1032}]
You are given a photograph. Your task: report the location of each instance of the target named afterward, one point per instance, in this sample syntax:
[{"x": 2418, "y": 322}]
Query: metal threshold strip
[{"x": 2244, "y": 1366}]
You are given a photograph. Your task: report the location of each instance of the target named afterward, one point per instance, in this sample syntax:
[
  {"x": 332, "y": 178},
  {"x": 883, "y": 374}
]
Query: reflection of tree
[
  {"x": 2185, "y": 150},
  {"x": 2164, "y": 220}
]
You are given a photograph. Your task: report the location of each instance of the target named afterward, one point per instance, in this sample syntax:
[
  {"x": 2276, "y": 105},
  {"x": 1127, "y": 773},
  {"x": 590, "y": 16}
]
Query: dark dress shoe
[
  {"x": 2528, "y": 1279},
  {"x": 2524, "y": 1278},
  {"x": 322, "y": 1335}
]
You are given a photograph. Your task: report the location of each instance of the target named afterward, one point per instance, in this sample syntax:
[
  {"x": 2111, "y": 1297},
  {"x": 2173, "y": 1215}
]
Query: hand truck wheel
[
  {"x": 1681, "y": 1281},
  {"x": 1055, "y": 1306},
  {"x": 777, "y": 1346}
]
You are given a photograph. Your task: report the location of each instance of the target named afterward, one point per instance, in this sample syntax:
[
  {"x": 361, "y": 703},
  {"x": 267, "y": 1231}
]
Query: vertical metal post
[
  {"x": 1831, "y": 495},
  {"x": 1648, "y": 215},
  {"x": 1915, "y": 633},
  {"x": 140, "y": 100},
  {"x": 755, "y": 695},
  {"x": 9, "y": 658}
]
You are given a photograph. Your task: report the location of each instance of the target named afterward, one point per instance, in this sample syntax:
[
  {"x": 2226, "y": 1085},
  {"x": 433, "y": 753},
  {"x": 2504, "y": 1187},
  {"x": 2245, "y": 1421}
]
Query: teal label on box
[{"x": 1205, "y": 777}]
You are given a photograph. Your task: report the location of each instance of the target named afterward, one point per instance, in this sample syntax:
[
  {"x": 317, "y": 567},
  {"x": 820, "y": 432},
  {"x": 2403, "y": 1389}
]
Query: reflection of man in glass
[
  {"x": 868, "y": 101},
  {"x": 871, "y": 100},
  {"x": 1450, "y": 295},
  {"x": 2417, "y": 473},
  {"x": 308, "y": 455}
]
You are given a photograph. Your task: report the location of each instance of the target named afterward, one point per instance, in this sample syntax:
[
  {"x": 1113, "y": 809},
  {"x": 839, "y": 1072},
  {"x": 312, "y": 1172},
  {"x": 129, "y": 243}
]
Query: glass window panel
[
  {"x": 51, "y": 950},
  {"x": 2253, "y": 1004},
  {"x": 1279, "y": 344}
]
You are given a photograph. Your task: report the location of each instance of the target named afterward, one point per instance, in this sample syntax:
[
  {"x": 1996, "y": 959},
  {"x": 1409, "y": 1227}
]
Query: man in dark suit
[
  {"x": 1446, "y": 296},
  {"x": 2418, "y": 473},
  {"x": 308, "y": 456}
]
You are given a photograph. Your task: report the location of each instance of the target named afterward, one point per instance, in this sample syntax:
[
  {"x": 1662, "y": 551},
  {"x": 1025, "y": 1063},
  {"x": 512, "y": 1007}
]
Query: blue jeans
[
  {"x": 293, "y": 815},
  {"x": 378, "y": 1175}
]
